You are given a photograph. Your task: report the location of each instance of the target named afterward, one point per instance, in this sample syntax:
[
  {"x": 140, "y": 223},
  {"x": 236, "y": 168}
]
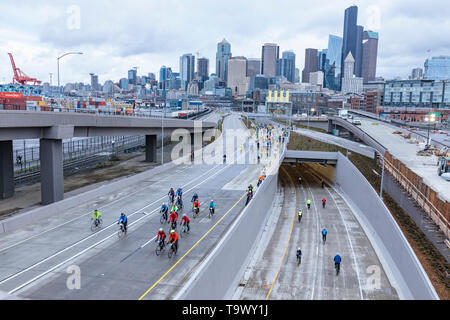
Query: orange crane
[{"x": 20, "y": 76}]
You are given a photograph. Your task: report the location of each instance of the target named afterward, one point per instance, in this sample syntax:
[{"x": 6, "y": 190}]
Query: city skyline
[{"x": 112, "y": 48}]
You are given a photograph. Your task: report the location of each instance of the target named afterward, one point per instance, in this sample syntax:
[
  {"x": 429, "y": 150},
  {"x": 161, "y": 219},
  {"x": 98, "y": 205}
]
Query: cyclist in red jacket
[
  {"x": 173, "y": 217},
  {"x": 161, "y": 235},
  {"x": 323, "y": 202},
  {"x": 186, "y": 220}
]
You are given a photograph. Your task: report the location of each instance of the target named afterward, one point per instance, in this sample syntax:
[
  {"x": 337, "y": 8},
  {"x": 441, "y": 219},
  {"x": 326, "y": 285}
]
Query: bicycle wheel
[
  {"x": 162, "y": 219},
  {"x": 158, "y": 251},
  {"x": 121, "y": 233},
  {"x": 93, "y": 227},
  {"x": 170, "y": 253},
  {"x": 100, "y": 222}
]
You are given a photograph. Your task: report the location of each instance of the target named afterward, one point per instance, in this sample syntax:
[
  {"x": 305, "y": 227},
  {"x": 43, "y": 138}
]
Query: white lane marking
[
  {"x": 76, "y": 255},
  {"x": 84, "y": 214},
  {"x": 148, "y": 242},
  {"x": 355, "y": 262}
]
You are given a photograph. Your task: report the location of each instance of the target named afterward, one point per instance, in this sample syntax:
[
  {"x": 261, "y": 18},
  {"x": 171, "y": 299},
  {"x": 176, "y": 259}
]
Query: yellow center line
[
  {"x": 192, "y": 247},
  {"x": 289, "y": 239}
]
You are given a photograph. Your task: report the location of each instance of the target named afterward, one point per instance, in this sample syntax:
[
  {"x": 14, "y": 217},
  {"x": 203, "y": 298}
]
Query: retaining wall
[{"x": 402, "y": 266}]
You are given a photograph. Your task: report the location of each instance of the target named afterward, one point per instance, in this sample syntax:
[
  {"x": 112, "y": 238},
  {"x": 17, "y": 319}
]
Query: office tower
[
  {"x": 350, "y": 83},
  {"x": 123, "y": 83},
  {"x": 132, "y": 76},
  {"x": 322, "y": 60},
  {"x": 94, "y": 82},
  {"x": 238, "y": 81},
  {"x": 297, "y": 75},
  {"x": 287, "y": 66},
  {"x": 316, "y": 78},
  {"x": 437, "y": 68},
  {"x": 253, "y": 67},
  {"x": 202, "y": 69},
  {"x": 311, "y": 63},
  {"x": 359, "y": 50},
  {"x": 269, "y": 59},
  {"x": 187, "y": 69},
  {"x": 332, "y": 73},
  {"x": 151, "y": 76},
  {"x": 222, "y": 56},
  {"x": 369, "y": 57},
  {"x": 350, "y": 34},
  {"x": 417, "y": 73}
]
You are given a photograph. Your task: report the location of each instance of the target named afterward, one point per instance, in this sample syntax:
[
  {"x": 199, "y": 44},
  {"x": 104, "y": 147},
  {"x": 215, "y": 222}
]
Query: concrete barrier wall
[
  {"x": 402, "y": 266},
  {"x": 219, "y": 275}
]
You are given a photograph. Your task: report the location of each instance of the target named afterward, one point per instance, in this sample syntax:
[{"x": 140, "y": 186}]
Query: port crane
[{"x": 20, "y": 76}]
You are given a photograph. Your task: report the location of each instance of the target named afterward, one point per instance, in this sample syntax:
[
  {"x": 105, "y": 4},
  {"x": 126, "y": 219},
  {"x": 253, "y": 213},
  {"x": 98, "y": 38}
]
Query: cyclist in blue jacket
[
  {"x": 337, "y": 261},
  {"x": 124, "y": 220}
]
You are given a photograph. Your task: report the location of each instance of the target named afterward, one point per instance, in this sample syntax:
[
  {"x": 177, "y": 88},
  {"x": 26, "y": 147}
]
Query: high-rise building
[
  {"x": 359, "y": 50},
  {"x": 322, "y": 59},
  {"x": 269, "y": 59},
  {"x": 165, "y": 75},
  {"x": 253, "y": 67},
  {"x": 369, "y": 57},
  {"x": 417, "y": 73},
  {"x": 238, "y": 81},
  {"x": 132, "y": 76},
  {"x": 222, "y": 56},
  {"x": 123, "y": 83},
  {"x": 350, "y": 83},
  {"x": 350, "y": 35},
  {"x": 287, "y": 66},
  {"x": 202, "y": 69},
  {"x": 437, "y": 68},
  {"x": 316, "y": 78},
  {"x": 187, "y": 68},
  {"x": 297, "y": 75},
  {"x": 94, "y": 82},
  {"x": 151, "y": 76},
  {"x": 332, "y": 73},
  {"x": 311, "y": 63}
]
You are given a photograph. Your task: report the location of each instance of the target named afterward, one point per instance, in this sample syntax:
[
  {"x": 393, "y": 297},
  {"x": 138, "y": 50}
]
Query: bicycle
[
  {"x": 324, "y": 238},
  {"x": 172, "y": 250},
  {"x": 184, "y": 229},
  {"x": 211, "y": 212},
  {"x": 160, "y": 247},
  {"x": 96, "y": 224},
  {"x": 171, "y": 199},
  {"x": 249, "y": 197},
  {"x": 121, "y": 231},
  {"x": 299, "y": 260},
  {"x": 195, "y": 211},
  {"x": 163, "y": 217},
  {"x": 299, "y": 217},
  {"x": 179, "y": 203},
  {"x": 337, "y": 266},
  {"x": 323, "y": 205},
  {"x": 173, "y": 226}
]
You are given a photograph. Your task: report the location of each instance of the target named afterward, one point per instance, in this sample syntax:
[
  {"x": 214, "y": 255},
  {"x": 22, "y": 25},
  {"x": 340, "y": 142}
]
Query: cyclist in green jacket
[
  {"x": 308, "y": 203},
  {"x": 96, "y": 216}
]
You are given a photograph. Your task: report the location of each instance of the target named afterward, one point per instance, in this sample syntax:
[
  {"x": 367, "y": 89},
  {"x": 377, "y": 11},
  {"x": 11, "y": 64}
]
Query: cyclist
[
  {"x": 196, "y": 204},
  {"x": 174, "y": 208},
  {"x": 308, "y": 203},
  {"x": 260, "y": 180},
  {"x": 194, "y": 197},
  {"x": 324, "y": 235},
  {"x": 300, "y": 214},
  {"x": 173, "y": 217},
  {"x": 96, "y": 216},
  {"x": 264, "y": 171},
  {"x": 324, "y": 202},
  {"x": 212, "y": 206},
  {"x": 173, "y": 238},
  {"x": 337, "y": 261},
  {"x": 250, "y": 189},
  {"x": 179, "y": 201},
  {"x": 161, "y": 235},
  {"x": 179, "y": 192},
  {"x": 124, "y": 220},
  {"x": 164, "y": 209},
  {"x": 241, "y": 147},
  {"x": 299, "y": 255},
  {"x": 300, "y": 180},
  {"x": 171, "y": 194},
  {"x": 185, "y": 220}
]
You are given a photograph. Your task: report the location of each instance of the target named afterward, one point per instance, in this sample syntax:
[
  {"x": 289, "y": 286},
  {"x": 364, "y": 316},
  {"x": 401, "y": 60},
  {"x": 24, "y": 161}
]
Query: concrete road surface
[{"x": 274, "y": 272}]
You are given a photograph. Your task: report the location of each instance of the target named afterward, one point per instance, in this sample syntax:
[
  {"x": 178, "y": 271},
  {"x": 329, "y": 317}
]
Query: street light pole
[{"x": 59, "y": 89}]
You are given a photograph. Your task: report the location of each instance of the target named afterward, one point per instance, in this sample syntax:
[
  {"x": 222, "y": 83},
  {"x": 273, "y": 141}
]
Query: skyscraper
[
  {"x": 359, "y": 50},
  {"x": 94, "y": 82},
  {"x": 222, "y": 56},
  {"x": 253, "y": 67},
  {"x": 202, "y": 69},
  {"x": 417, "y": 73},
  {"x": 437, "y": 68},
  {"x": 332, "y": 73},
  {"x": 369, "y": 57},
  {"x": 350, "y": 83},
  {"x": 132, "y": 76},
  {"x": 350, "y": 35},
  {"x": 311, "y": 63},
  {"x": 238, "y": 81},
  {"x": 287, "y": 66},
  {"x": 187, "y": 68},
  {"x": 269, "y": 59}
]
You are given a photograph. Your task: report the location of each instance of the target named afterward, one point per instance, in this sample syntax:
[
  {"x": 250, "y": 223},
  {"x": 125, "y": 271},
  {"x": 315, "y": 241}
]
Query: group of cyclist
[
  {"x": 337, "y": 259},
  {"x": 96, "y": 216}
]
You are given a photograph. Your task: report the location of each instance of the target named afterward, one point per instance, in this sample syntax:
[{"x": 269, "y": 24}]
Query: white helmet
[
  {"x": 212, "y": 200},
  {"x": 160, "y": 229},
  {"x": 164, "y": 204}
]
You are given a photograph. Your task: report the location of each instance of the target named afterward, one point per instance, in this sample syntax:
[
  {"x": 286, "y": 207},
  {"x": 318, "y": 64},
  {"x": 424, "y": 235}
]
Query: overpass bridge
[
  {"x": 222, "y": 244},
  {"x": 52, "y": 128}
]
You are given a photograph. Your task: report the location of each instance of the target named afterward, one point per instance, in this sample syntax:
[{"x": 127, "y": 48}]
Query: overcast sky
[{"x": 118, "y": 35}]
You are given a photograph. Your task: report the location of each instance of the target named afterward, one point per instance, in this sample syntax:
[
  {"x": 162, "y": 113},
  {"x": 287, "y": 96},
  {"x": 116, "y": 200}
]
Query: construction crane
[{"x": 20, "y": 76}]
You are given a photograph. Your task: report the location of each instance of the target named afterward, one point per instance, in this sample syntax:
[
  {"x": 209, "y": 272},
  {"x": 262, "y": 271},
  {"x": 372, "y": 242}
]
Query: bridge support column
[
  {"x": 330, "y": 126},
  {"x": 52, "y": 177},
  {"x": 150, "y": 148},
  {"x": 6, "y": 169}
]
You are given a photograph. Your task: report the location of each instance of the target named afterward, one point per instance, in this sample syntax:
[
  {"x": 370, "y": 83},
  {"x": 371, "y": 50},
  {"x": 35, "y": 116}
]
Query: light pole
[
  {"x": 59, "y": 89},
  {"x": 382, "y": 167},
  {"x": 312, "y": 109},
  {"x": 429, "y": 118}
]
